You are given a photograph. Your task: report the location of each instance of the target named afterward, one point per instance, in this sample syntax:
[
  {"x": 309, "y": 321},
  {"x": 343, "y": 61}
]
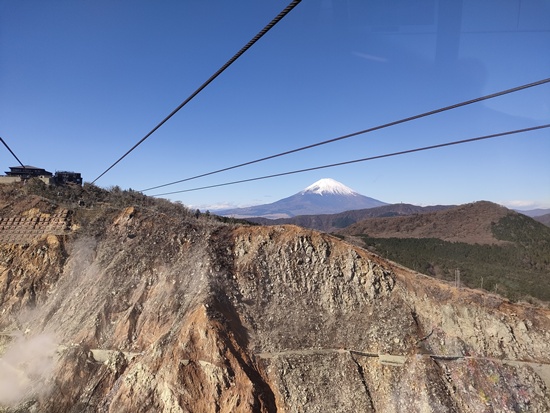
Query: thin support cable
[
  {"x": 425, "y": 148},
  {"x": 262, "y": 32},
  {"x": 14, "y": 155},
  {"x": 386, "y": 125}
]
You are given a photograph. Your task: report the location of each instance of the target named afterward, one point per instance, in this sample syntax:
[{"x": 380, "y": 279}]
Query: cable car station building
[{"x": 22, "y": 173}]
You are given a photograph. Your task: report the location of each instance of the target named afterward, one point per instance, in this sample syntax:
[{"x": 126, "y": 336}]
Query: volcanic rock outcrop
[{"x": 161, "y": 312}]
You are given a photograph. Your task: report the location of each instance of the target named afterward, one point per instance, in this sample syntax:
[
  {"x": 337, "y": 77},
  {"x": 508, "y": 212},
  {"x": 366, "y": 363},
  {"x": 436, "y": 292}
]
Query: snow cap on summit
[{"x": 329, "y": 187}]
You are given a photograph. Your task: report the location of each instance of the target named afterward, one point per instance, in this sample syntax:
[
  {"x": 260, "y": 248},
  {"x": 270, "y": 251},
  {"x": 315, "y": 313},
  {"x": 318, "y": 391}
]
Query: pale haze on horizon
[{"x": 82, "y": 82}]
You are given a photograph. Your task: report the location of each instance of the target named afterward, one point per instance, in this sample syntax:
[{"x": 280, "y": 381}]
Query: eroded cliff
[{"x": 152, "y": 312}]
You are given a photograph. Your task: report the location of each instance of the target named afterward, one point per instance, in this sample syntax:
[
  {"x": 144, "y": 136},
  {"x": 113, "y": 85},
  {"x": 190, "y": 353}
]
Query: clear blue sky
[{"x": 82, "y": 81}]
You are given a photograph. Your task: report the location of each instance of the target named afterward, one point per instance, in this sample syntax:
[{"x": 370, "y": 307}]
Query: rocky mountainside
[
  {"x": 114, "y": 302},
  {"x": 334, "y": 222}
]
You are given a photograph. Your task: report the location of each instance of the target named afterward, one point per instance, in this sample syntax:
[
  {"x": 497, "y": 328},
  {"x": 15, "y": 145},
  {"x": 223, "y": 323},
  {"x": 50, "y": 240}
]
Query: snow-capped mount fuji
[
  {"x": 325, "y": 196},
  {"x": 329, "y": 186}
]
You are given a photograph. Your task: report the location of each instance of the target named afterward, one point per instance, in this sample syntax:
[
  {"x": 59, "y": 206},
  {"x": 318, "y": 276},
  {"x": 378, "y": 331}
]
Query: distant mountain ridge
[
  {"x": 333, "y": 222},
  {"x": 540, "y": 215},
  {"x": 534, "y": 212},
  {"x": 325, "y": 196}
]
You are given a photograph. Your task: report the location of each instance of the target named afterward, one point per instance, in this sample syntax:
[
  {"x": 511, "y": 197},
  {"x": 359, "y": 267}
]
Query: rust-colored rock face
[{"x": 163, "y": 313}]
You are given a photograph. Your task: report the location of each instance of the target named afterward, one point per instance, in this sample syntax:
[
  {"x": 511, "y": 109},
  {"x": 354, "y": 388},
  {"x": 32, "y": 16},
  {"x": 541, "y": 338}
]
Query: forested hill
[{"x": 485, "y": 245}]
